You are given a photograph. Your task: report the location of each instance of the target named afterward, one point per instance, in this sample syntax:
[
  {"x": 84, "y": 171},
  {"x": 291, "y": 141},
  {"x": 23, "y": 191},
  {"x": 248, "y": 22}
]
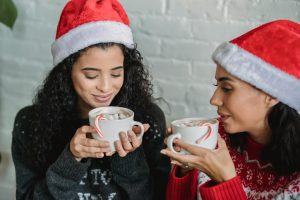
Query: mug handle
[
  {"x": 170, "y": 141},
  {"x": 135, "y": 123}
]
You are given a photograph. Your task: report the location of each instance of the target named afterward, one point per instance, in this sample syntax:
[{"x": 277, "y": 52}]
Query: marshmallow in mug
[
  {"x": 114, "y": 116},
  {"x": 195, "y": 122}
]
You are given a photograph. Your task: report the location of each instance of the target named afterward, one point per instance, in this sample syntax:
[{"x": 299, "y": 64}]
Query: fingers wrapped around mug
[
  {"x": 83, "y": 147},
  {"x": 181, "y": 160},
  {"x": 127, "y": 143},
  {"x": 217, "y": 163},
  {"x": 115, "y": 124}
]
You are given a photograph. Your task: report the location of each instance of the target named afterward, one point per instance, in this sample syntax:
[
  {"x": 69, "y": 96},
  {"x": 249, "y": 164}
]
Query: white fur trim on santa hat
[
  {"x": 89, "y": 34},
  {"x": 257, "y": 72}
]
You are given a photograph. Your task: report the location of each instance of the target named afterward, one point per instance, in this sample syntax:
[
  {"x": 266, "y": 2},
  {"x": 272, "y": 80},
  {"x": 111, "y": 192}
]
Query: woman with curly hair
[
  {"x": 258, "y": 99},
  {"x": 96, "y": 64}
]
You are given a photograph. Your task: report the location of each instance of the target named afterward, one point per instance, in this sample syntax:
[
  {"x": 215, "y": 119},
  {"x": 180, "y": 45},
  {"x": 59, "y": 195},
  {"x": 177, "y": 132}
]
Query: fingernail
[
  {"x": 130, "y": 133},
  {"x": 101, "y": 155},
  {"x": 163, "y": 151},
  {"x": 122, "y": 134}
]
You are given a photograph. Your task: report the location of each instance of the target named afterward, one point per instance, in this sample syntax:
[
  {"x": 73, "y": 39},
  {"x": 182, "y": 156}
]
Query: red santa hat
[
  {"x": 267, "y": 57},
  {"x": 86, "y": 22}
]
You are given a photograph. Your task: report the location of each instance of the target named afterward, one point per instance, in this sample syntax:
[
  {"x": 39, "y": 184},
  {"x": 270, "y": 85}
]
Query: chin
[
  {"x": 232, "y": 130},
  {"x": 229, "y": 129}
]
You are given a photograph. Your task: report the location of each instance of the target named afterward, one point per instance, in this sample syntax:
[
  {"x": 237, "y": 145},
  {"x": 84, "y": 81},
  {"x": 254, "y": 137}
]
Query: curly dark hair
[
  {"x": 283, "y": 151},
  {"x": 56, "y": 102}
]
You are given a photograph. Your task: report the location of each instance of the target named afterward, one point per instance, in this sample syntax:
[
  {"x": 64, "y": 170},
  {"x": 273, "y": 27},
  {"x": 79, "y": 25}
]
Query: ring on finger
[{"x": 187, "y": 166}]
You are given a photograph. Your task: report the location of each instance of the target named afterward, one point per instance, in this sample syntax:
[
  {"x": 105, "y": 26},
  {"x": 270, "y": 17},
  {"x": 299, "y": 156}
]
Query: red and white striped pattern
[{"x": 98, "y": 129}]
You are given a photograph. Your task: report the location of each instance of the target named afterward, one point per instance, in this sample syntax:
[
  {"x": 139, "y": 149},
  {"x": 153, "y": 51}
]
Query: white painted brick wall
[{"x": 176, "y": 38}]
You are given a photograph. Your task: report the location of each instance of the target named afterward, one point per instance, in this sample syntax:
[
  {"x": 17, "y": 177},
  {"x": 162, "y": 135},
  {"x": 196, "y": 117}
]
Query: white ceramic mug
[
  {"x": 197, "y": 131},
  {"x": 110, "y": 121}
]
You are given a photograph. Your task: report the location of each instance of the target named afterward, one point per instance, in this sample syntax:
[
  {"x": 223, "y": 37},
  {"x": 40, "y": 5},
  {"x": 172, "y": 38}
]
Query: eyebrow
[
  {"x": 224, "y": 78},
  {"x": 96, "y": 69}
]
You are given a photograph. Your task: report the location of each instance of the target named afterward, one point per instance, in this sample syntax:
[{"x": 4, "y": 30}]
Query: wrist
[
  {"x": 78, "y": 159},
  {"x": 229, "y": 176}
]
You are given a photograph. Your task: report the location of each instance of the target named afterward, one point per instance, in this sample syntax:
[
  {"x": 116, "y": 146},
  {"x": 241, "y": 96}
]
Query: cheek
[
  {"x": 249, "y": 113},
  {"x": 119, "y": 83},
  {"x": 76, "y": 82},
  {"x": 81, "y": 85}
]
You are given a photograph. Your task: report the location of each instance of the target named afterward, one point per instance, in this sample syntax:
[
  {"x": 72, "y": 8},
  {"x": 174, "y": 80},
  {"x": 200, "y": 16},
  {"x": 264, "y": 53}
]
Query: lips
[
  {"x": 223, "y": 116},
  {"x": 102, "y": 98}
]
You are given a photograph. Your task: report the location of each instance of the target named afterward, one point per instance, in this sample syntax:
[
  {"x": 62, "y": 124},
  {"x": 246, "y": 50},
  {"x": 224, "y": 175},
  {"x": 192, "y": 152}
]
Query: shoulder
[
  {"x": 24, "y": 114},
  {"x": 154, "y": 116},
  {"x": 151, "y": 113},
  {"x": 23, "y": 119},
  {"x": 27, "y": 110},
  {"x": 155, "y": 110}
]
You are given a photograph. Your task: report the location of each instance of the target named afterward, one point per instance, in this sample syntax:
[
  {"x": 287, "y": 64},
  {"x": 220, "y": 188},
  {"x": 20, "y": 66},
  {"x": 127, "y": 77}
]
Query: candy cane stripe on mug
[
  {"x": 206, "y": 136},
  {"x": 97, "y": 119}
]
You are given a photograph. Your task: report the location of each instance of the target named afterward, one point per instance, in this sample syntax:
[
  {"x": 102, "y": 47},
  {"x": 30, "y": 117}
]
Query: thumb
[
  {"x": 221, "y": 143},
  {"x": 146, "y": 127},
  {"x": 168, "y": 132},
  {"x": 137, "y": 129}
]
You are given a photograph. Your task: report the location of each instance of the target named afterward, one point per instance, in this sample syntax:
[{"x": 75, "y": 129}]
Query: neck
[
  {"x": 261, "y": 137},
  {"x": 261, "y": 133}
]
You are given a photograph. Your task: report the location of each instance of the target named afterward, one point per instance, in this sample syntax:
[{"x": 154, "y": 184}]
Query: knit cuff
[
  {"x": 228, "y": 190},
  {"x": 68, "y": 167},
  {"x": 184, "y": 187}
]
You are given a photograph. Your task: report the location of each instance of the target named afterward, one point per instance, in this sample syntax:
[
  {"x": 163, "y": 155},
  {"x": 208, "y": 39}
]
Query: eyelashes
[
  {"x": 90, "y": 77},
  {"x": 224, "y": 89},
  {"x": 116, "y": 75},
  {"x": 93, "y": 77}
]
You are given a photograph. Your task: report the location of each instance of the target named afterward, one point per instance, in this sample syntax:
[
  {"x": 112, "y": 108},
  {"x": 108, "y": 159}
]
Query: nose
[
  {"x": 216, "y": 99},
  {"x": 104, "y": 84}
]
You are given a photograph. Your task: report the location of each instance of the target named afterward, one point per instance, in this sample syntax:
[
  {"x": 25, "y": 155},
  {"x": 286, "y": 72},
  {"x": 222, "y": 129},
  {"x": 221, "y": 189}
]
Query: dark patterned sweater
[{"x": 141, "y": 174}]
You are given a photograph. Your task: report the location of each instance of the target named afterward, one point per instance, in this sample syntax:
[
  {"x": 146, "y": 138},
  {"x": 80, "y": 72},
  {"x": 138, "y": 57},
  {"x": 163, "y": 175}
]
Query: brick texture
[{"x": 176, "y": 38}]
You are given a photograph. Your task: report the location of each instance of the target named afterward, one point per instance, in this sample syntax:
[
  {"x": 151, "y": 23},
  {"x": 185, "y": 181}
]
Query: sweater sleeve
[
  {"x": 228, "y": 190},
  {"x": 132, "y": 174},
  {"x": 182, "y": 188},
  {"x": 31, "y": 183}
]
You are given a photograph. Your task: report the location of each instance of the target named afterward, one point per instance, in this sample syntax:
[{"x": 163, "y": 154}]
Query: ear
[{"x": 270, "y": 101}]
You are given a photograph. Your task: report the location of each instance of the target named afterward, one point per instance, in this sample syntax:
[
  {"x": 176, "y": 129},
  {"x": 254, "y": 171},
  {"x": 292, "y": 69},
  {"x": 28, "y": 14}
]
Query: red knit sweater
[{"x": 255, "y": 180}]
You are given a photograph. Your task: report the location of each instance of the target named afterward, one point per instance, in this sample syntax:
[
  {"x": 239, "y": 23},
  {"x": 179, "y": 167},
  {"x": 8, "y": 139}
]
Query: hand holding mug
[
  {"x": 129, "y": 142},
  {"x": 197, "y": 138},
  {"x": 216, "y": 163},
  {"x": 83, "y": 147},
  {"x": 115, "y": 124}
]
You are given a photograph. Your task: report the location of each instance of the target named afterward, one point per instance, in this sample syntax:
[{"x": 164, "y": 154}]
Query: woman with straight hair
[{"x": 257, "y": 97}]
